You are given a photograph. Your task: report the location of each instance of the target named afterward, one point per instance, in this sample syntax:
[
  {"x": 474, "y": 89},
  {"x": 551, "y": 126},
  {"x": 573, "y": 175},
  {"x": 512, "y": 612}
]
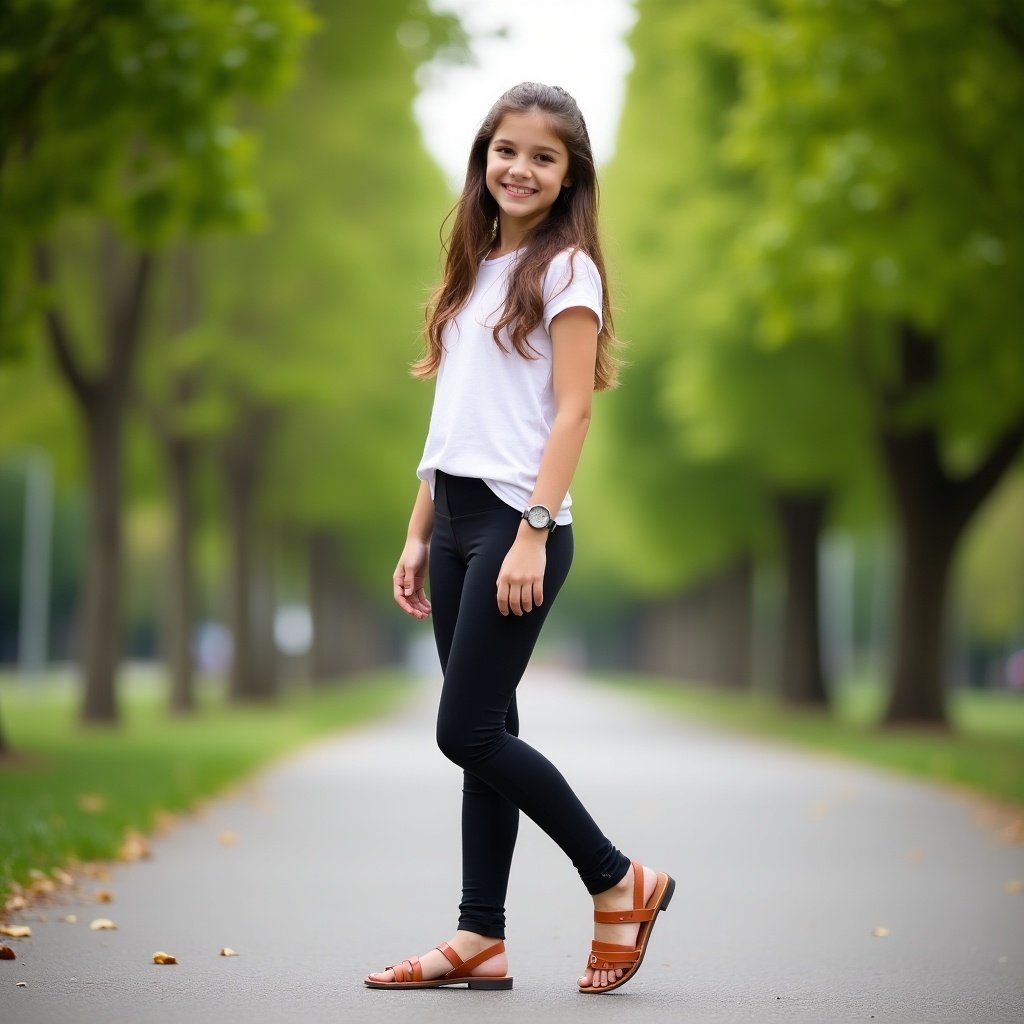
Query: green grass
[
  {"x": 152, "y": 763},
  {"x": 983, "y": 752}
]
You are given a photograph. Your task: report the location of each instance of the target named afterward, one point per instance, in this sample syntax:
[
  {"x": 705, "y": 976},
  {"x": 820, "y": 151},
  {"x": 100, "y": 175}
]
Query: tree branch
[
  {"x": 972, "y": 490},
  {"x": 83, "y": 387},
  {"x": 126, "y": 321}
]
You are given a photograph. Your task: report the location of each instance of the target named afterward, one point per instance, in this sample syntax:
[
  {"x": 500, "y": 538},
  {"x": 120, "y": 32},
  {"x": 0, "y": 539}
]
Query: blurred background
[{"x": 219, "y": 224}]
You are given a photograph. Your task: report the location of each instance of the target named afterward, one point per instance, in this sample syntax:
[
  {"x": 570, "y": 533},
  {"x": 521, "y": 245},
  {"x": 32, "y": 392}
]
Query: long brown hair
[{"x": 571, "y": 224}]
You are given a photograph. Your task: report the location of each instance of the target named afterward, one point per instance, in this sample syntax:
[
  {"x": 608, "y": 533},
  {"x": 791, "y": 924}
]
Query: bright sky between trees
[{"x": 577, "y": 44}]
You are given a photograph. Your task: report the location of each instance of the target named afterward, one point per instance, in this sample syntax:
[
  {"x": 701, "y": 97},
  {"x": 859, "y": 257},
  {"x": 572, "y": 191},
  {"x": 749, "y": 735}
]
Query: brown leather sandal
[
  {"x": 609, "y": 956},
  {"x": 409, "y": 973}
]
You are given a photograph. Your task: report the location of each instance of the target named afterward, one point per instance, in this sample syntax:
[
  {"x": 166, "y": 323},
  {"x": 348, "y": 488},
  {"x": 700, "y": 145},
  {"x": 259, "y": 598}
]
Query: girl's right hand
[{"x": 410, "y": 578}]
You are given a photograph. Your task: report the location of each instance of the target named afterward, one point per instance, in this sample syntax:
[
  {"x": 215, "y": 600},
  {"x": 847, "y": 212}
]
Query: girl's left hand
[{"x": 521, "y": 579}]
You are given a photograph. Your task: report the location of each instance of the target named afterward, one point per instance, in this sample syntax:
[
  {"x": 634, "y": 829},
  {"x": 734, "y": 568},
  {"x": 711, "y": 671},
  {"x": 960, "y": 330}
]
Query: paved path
[{"x": 347, "y": 859}]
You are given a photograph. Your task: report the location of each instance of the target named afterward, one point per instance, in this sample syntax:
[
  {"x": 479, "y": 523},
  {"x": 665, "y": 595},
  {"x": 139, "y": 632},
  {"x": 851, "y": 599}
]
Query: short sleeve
[{"x": 572, "y": 279}]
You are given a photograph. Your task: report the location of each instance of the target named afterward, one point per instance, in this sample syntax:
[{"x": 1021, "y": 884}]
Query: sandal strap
[
  {"x": 410, "y": 970},
  {"x": 638, "y": 914},
  {"x": 623, "y": 916},
  {"x": 608, "y": 956},
  {"x": 462, "y": 968}
]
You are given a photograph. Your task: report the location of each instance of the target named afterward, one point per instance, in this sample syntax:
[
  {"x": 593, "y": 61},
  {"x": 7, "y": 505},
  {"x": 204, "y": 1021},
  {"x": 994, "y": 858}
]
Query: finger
[
  {"x": 515, "y": 598},
  {"x": 538, "y": 593},
  {"x": 503, "y": 591},
  {"x": 527, "y": 597}
]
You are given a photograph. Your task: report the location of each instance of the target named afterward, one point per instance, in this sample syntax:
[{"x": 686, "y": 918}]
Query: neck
[{"x": 512, "y": 234}]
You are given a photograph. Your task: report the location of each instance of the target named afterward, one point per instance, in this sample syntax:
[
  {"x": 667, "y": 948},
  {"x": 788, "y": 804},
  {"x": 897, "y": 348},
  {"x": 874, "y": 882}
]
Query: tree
[
  {"x": 788, "y": 420},
  {"x": 313, "y": 324},
  {"x": 124, "y": 114},
  {"x": 890, "y": 228}
]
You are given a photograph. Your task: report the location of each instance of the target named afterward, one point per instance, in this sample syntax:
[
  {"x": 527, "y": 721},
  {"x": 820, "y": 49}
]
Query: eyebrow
[{"x": 509, "y": 142}]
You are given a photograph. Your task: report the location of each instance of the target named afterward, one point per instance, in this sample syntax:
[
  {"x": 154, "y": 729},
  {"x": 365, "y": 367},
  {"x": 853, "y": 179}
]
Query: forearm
[
  {"x": 421, "y": 521},
  {"x": 560, "y": 459}
]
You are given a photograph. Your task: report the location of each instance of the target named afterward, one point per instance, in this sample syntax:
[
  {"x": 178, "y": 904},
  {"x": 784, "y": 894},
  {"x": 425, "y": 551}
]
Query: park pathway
[{"x": 344, "y": 858}]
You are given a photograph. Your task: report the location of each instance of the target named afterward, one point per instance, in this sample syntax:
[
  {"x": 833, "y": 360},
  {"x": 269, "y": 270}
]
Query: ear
[{"x": 567, "y": 183}]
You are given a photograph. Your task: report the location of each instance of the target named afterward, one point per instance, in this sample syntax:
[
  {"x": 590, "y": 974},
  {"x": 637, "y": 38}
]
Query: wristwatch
[{"x": 539, "y": 518}]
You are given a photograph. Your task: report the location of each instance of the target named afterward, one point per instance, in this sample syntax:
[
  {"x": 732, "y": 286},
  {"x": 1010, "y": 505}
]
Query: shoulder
[{"x": 571, "y": 267}]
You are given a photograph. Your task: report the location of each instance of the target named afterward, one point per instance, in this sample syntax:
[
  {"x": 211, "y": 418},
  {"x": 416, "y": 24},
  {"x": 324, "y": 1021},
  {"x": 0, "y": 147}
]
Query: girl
[{"x": 518, "y": 337}]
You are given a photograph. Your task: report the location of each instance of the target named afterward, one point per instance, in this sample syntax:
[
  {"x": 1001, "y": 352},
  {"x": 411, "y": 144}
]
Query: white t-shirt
[{"x": 493, "y": 410}]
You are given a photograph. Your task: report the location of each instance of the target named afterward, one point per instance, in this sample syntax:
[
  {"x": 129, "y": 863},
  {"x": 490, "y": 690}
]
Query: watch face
[{"x": 538, "y": 517}]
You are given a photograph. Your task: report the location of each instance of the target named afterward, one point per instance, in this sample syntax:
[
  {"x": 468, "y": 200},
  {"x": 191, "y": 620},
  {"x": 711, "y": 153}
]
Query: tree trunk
[
  {"x": 241, "y": 457},
  {"x": 704, "y": 634},
  {"x": 800, "y": 518},
  {"x": 101, "y": 398},
  {"x": 348, "y": 636},
  {"x": 101, "y": 614},
  {"x": 933, "y": 509},
  {"x": 180, "y": 456}
]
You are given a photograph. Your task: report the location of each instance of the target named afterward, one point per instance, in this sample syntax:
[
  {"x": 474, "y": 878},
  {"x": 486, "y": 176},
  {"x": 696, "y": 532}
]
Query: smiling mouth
[{"x": 518, "y": 190}]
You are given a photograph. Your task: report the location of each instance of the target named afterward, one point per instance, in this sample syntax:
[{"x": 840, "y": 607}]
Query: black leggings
[{"x": 483, "y": 655}]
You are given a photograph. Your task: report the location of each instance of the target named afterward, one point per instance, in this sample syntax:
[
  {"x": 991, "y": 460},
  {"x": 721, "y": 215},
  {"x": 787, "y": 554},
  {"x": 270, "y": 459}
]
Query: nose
[{"x": 520, "y": 168}]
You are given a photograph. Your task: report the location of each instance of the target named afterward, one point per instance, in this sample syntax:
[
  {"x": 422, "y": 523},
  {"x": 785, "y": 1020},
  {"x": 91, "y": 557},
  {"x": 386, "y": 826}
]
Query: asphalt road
[{"x": 344, "y": 858}]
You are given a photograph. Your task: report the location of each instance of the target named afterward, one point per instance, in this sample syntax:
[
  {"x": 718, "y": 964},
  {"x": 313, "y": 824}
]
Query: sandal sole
[{"x": 489, "y": 984}]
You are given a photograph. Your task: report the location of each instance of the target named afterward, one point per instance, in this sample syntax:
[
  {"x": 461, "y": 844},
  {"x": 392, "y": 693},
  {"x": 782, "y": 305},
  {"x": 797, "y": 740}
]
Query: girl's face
[{"x": 527, "y": 166}]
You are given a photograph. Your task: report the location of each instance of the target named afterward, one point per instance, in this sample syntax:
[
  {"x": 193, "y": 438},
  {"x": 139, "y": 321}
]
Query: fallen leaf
[
  {"x": 21, "y": 984},
  {"x": 880, "y": 933},
  {"x": 63, "y": 877},
  {"x": 70, "y": 919},
  {"x": 43, "y": 887},
  {"x": 164, "y": 958},
  {"x": 97, "y": 871},
  {"x": 228, "y": 951},
  {"x": 1015, "y": 885},
  {"x": 16, "y": 931},
  {"x": 15, "y": 903},
  {"x": 92, "y": 803},
  {"x": 227, "y": 838},
  {"x": 103, "y": 896},
  {"x": 6, "y": 953},
  {"x": 134, "y": 847},
  {"x": 103, "y": 924}
]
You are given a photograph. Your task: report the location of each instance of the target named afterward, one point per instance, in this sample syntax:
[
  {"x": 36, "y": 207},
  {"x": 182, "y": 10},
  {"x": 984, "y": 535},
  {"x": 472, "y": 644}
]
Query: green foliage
[
  {"x": 129, "y": 112},
  {"x": 883, "y": 140}
]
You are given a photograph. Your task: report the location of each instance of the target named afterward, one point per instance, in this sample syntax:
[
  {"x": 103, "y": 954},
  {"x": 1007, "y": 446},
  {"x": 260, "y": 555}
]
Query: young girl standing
[{"x": 518, "y": 337}]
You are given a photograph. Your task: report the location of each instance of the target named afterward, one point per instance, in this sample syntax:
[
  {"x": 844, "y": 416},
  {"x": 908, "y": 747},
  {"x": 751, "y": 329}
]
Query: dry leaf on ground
[
  {"x": 164, "y": 958},
  {"x": 134, "y": 847},
  {"x": 1015, "y": 885},
  {"x": 70, "y": 919},
  {"x": 103, "y": 924},
  {"x": 6, "y": 953},
  {"x": 880, "y": 933},
  {"x": 16, "y": 931},
  {"x": 15, "y": 903},
  {"x": 103, "y": 896},
  {"x": 228, "y": 951},
  {"x": 227, "y": 838},
  {"x": 21, "y": 984}
]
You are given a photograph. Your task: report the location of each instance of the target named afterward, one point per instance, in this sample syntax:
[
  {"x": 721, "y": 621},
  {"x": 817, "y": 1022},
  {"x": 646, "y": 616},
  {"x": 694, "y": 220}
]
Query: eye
[
  {"x": 503, "y": 150},
  {"x": 546, "y": 158}
]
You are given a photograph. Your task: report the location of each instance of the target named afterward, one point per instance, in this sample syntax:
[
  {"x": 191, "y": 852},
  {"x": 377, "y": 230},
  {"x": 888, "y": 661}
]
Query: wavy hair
[{"x": 571, "y": 224}]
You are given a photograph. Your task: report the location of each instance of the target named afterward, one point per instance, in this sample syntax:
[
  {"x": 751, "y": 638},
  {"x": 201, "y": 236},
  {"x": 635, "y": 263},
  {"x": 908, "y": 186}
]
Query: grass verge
[
  {"x": 71, "y": 793},
  {"x": 984, "y": 752}
]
